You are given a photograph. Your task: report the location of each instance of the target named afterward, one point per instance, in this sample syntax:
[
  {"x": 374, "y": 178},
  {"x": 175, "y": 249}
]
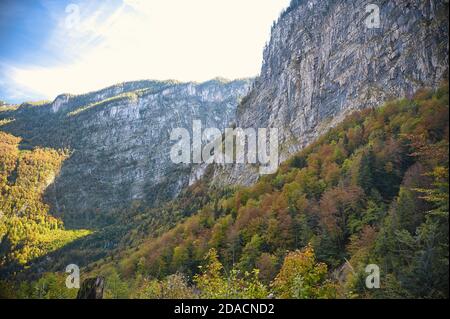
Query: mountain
[
  {"x": 371, "y": 191},
  {"x": 322, "y": 62},
  {"x": 119, "y": 142},
  {"x": 363, "y": 120}
]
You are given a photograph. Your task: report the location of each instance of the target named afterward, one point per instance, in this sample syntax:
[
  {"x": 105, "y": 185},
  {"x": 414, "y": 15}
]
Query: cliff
[{"x": 323, "y": 62}]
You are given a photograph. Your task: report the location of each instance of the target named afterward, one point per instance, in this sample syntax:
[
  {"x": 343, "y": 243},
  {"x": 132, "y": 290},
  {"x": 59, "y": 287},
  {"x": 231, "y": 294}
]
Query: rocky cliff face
[
  {"x": 323, "y": 61},
  {"x": 119, "y": 140}
]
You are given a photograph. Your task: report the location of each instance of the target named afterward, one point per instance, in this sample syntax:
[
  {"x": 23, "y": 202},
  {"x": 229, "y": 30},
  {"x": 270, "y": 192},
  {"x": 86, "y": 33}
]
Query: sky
[{"x": 49, "y": 47}]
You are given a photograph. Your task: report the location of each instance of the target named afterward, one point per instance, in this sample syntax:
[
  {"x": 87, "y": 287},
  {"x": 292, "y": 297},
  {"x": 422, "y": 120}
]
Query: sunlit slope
[{"x": 27, "y": 230}]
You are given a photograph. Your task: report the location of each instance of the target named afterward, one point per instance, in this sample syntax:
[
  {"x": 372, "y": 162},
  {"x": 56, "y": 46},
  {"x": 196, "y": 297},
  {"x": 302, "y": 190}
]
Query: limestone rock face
[
  {"x": 119, "y": 139},
  {"x": 323, "y": 61}
]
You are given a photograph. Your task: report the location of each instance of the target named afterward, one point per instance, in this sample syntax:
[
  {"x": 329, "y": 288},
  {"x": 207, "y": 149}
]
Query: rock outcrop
[
  {"x": 92, "y": 288},
  {"x": 323, "y": 61}
]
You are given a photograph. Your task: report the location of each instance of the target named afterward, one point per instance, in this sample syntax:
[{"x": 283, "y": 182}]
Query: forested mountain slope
[
  {"x": 361, "y": 182},
  {"x": 373, "y": 190},
  {"x": 27, "y": 229}
]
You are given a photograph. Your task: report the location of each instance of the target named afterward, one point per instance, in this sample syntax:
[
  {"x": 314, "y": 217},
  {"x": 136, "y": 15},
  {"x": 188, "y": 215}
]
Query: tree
[
  {"x": 301, "y": 277},
  {"x": 338, "y": 208},
  {"x": 213, "y": 284},
  {"x": 172, "y": 287},
  {"x": 210, "y": 281},
  {"x": 116, "y": 288},
  {"x": 52, "y": 286},
  {"x": 250, "y": 253},
  {"x": 366, "y": 169},
  {"x": 267, "y": 266}
]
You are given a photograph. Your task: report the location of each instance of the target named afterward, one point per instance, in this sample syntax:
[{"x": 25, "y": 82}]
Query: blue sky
[{"x": 52, "y": 46}]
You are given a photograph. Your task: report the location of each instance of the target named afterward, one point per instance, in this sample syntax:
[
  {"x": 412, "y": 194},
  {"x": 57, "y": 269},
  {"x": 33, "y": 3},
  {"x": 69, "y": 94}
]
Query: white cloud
[{"x": 158, "y": 39}]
